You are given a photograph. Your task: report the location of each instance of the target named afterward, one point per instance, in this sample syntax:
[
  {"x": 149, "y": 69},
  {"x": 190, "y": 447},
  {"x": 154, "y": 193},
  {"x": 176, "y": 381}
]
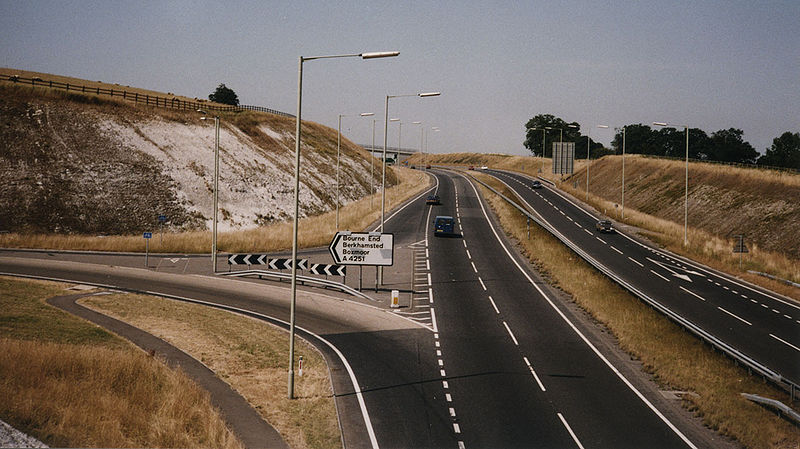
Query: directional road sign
[
  {"x": 362, "y": 248},
  {"x": 147, "y": 235}
]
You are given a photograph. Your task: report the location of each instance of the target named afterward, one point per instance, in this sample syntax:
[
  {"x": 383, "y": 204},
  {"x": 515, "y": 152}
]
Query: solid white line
[
  {"x": 433, "y": 320},
  {"x": 511, "y": 333},
  {"x": 604, "y": 242},
  {"x": 578, "y": 332},
  {"x": 740, "y": 319},
  {"x": 662, "y": 277},
  {"x": 635, "y": 261},
  {"x": 785, "y": 342},
  {"x": 494, "y": 305},
  {"x": 615, "y": 249},
  {"x": 569, "y": 429},
  {"x": 482, "y": 284},
  {"x": 692, "y": 293}
]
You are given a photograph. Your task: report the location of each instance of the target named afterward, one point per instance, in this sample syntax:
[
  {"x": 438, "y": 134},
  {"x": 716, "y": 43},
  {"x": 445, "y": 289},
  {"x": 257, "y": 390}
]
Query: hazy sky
[{"x": 709, "y": 64}]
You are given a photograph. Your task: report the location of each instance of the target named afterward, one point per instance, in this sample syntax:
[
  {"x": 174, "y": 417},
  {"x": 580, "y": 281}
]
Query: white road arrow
[{"x": 667, "y": 266}]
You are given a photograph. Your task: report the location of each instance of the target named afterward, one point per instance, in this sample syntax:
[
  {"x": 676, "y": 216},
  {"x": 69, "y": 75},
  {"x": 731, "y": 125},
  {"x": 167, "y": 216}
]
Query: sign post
[
  {"x": 740, "y": 248},
  {"x": 147, "y": 236},
  {"x": 161, "y": 220}
]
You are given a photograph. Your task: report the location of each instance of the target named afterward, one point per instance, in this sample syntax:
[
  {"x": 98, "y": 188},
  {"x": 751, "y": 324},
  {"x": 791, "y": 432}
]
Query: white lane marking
[
  {"x": 452, "y": 411},
  {"x": 456, "y": 428},
  {"x": 494, "y": 305},
  {"x": 482, "y": 284},
  {"x": 578, "y": 224},
  {"x": 784, "y": 342},
  {"x": 445, "y": 384},
  {"x": 662, "y": 277},
  {"x": 635, "y": 261},
  {"x": 428, "y": 264},
  {"x": 562, "y": 213},
  {"x": 597, "y": 352},
  {"x": 787, "y": 316},
  {"x": 429, "y": 279},
  {"x": 448, "y": 398},
  {"x": 469, "y": 256},
  {"x": 430, "y": 294},
  {"x": 441, "y": 362},
  {"x": 464, "y": 242},
  {"x": 511, "y": 333},
  {"x": 433, "y": 320},
  {"x": 598, "y": 238},
  {"x": 570, "y": 219},
  {"x": 740, "y": 319},
  {"x": 461, "y": 445},
  {"x": 530, "y": 367},
  {"x": 438, "y": 352},
  {"x": 569, "y": 429},
  {"x": 442, "y": 373},
  {"x": 774, "y": 310},
  {"x": 473, "y": 267},
  {"x": 436, "y": 343},
  {"x": 588, "y": 231},
  {"x": 615, "y": 249},
  {"x": 692, "y": 293}
]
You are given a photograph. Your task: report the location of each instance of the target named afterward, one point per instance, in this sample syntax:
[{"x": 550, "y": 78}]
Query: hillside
[{"x": 82, "y": 164}]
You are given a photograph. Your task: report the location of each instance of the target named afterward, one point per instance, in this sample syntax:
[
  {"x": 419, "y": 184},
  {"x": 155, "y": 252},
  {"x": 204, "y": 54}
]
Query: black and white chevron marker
[
  {"x": 247, "y": 259},
  {"x": 329, "y": 270},
  {"x": 286, "y": 264}
]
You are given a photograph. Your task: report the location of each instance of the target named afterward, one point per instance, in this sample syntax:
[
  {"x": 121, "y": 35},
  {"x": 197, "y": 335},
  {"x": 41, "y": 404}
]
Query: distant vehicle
[
  {"x": 432, "y": 200},
  {"x": 484, "y": 168},
  {"x": 604, "y": 226},
  {"x": 413, "y": 167},
  {"x": 536, "y": 185},
  {"x": 444, "y": 225},
  {"x": 428, "y": 166},
  {"x": 471, "y": 167}
]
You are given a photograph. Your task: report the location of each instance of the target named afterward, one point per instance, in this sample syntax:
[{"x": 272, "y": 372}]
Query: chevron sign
[
  {"x": 247, "y": 259},
  {"x": 286, "y": 264},
  {"x": 329, "y": 270}
]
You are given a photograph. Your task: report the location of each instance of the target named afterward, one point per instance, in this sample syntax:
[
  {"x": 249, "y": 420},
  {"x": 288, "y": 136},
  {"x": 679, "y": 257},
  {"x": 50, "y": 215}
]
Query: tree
[
  {"x": 785, "y": 151},
  {"x": 639, "y": 139},
  {"x": 728, "y": 146},
  {"x": 533, "y": 138},
  {"x": 224, "y": 95}
]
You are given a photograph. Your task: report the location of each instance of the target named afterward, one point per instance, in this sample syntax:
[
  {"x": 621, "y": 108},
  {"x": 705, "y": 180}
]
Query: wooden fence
[{"x": 149, "y": 100}]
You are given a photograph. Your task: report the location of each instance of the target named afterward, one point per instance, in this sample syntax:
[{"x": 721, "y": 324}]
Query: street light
[
  {"x": 686, "y": 194},
  {"x": 399, "y": 134},
  {"x": 216, "y": 189},
  {"x": 383, "y": 175},
  {"x": 372, "y": 55},
  {"x": 421, "y": 131},
  {"x": 338, "y": 151},
  {"x": 623, "y": 172}
]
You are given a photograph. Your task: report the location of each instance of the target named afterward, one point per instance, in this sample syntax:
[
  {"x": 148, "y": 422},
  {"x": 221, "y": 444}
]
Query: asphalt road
[
  {"x": 757, "y": 323},
  {"x": 515, "y": 371}
]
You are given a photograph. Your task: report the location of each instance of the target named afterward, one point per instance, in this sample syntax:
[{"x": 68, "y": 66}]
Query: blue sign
[
  {"x": 148, "y": 235},
  {"x": 162, "y": 218}
]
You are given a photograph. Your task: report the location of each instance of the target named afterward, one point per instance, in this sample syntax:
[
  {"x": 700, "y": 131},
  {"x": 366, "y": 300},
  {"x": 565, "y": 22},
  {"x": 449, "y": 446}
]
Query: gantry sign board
[
  {"x": 563, "y": 158},
  {"x": 362, "y": 248}
]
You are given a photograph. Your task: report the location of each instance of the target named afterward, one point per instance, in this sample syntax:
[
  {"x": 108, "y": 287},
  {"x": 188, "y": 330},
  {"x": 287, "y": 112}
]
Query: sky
[{"x": 707, "y": 64}]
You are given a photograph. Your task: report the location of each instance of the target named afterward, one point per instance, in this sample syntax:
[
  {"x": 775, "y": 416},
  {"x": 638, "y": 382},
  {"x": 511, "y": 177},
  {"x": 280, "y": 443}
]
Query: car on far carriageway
[
  {"x": 444, "y": 225},
  {"x": 604, "y": 226},
  {"x": 536, "y": 184},
  {"x": 432, "y": 200}
]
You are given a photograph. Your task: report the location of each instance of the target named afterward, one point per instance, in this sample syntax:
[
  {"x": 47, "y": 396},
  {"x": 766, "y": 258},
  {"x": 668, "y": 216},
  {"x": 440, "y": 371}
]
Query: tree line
[{"x": 725, "y": 145}]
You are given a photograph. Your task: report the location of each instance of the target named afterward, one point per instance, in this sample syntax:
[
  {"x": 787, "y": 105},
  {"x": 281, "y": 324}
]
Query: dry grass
[
  {"x": 248, "y": 354},
  {"x": 675, "y": 359},
  {"x": 313, "y": 231},
  {"x": 72, "y": 384}
]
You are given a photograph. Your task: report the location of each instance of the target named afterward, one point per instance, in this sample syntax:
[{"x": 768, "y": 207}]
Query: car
[
  {"x": 604, "y": 226},
  {"x": 536, "y": 185},
  {"x": 432, "y": 200},
  {"x": 444, "y": 225},
  {"x": 427, "y": 167},
  {"x": 484, "y": 168},
  {"x": 471, "y": 167},
  {"x": 413, "y": 167}
]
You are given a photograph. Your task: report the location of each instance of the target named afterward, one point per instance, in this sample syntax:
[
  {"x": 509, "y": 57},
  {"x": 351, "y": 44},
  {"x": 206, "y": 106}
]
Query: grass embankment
[
  {"x": 248, "y": 354},
  {"x": 760, "y": 202},
  {"x": 676, "y": 360},
  {"x": 72, "y": 384},
  {"x": 313, "y": 231}
]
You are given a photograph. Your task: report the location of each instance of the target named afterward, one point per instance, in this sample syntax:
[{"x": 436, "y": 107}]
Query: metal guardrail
[
  {"x": 146, "y": 99},
  {"x": 782, "y": 408},
  {"x": 725, "y": 348},
  {"x": 302, "y": 279}
]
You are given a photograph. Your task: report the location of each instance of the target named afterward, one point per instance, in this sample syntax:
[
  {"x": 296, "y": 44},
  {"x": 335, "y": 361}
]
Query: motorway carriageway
[{"x": 759, "y": 324}]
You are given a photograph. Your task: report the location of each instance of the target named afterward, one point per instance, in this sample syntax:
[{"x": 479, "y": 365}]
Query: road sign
[
  {"x": 362, "y": 248},
  {"x": 148, "y": 235},
  {"x": 563, "y": 158},
  {"x": 162, "y": 218}
]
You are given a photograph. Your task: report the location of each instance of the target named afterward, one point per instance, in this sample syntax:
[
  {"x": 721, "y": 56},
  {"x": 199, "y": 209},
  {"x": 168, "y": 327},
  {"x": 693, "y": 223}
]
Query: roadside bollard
[
  {"x": 395, "y": 299},
  {"x": 300, "y": 370}
]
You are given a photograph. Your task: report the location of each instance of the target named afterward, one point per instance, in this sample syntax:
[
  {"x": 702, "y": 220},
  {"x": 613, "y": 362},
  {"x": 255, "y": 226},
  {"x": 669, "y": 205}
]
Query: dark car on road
[
  {"x": 536, "y": 185},
  {"x": 604, "y": 226},
  {"x": 432, "y": 200},
  {"x": 444, "y": 225}
]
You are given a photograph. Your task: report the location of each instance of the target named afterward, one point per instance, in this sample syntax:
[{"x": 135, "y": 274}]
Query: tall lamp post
[
  {"x": 421, "y": 130},
  {"x": 686, "y": 194},
  {"x": 338, "y": 153},
  {"x": 216, "y": 189},
  {"x": 588, "y": 162},
  {"x": 383, "y": 174},
  {"x": 399, "y": 135},
  {"x": 623, "y": 172},
  {"x": 301, "y": 60}
]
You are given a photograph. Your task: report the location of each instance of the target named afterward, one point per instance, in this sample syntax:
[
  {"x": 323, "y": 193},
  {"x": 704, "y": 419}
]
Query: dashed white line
[
  {"x": 569, "y": 429},
  {"x": 784, "y": 342},
  {"x": 433, "y": 320},
  {"x": 787, "y": 316},
  {"x": 738, "y": 318},
  {"x": 494, "y": 305},
  {"x": 456, "y": 428},
  {"x": 530, "y": 367},
  {"x": 635, "y": 261},
  {"x": 598, "y": 238},
  {"x": 441, "y": 362},
  {"x": 588, "y": 231},
  {"x": 615, "y": 249},
  {"x": 452, "y": 412},
  {"x": 473, "y": 267},
  {"x": 469, "y": 256},
  {"x": 482, "y": 284},
  {"x": 448, "y": 398},
  {"x": 692, "y": 293},
  {"x": 662, "y": 277},
  {"x": 511, "y": 333},
  {"x": 464, "y": 242},
  {"x": 774, "y": 310}
]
